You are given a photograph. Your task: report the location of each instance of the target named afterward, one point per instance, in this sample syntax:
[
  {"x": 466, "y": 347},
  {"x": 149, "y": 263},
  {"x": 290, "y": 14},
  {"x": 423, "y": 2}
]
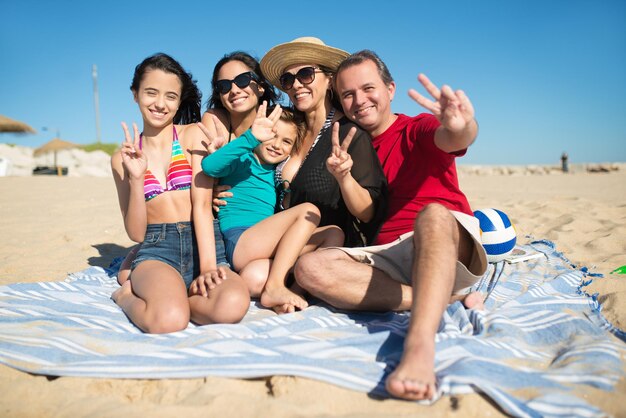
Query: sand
[{"x": 55, "y": 225}]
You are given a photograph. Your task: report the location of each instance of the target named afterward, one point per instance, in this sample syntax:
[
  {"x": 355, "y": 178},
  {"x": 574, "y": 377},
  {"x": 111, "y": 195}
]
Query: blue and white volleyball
[{"x": 497, "y": 233}]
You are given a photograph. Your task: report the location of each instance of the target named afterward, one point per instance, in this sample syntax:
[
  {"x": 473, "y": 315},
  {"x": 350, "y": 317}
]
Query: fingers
[
  {"x": 126, "y": 133},
  {"x": 262, "y": 110},
  {"x": 205, "y": 130},
  {"x": 137, "y": 137},
  {"x": 423, "y": 101},
  {"x": 221, "y": 136},
  {"x": 429, "y": 86},
  {"x": 348, "y": 139},
  {"x": 275, "y": 115},
  {"x": 335, "y": 136}
]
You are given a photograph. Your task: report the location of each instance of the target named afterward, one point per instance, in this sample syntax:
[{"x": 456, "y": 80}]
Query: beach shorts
[
  {"x": 231, "y": 237},
  {"x": 396, "y": 258},
  {"x": 175, "y": 245}
]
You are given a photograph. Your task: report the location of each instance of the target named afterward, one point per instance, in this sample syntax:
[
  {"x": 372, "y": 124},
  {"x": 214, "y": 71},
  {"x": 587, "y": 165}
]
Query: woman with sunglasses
[
  {"x": 238, "y": 88},
  {"x": 346, "y": 183},
  {"x": 165, "y": 201}
]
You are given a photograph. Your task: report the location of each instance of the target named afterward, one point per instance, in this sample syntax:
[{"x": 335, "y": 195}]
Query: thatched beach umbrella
[
  {"x": 12, "y": 125},
  {"x": 54, "y": 145}
]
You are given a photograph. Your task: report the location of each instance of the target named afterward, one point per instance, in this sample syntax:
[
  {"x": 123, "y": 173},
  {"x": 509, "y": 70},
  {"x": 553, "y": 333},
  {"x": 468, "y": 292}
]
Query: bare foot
[
  {"x": 414, "y": 378},
  {"x": 474, "y": 301},
  {"x": 285, "y": 308},
  {"x": 279, "y": 296},
  {"x": 124, "y": 291}
]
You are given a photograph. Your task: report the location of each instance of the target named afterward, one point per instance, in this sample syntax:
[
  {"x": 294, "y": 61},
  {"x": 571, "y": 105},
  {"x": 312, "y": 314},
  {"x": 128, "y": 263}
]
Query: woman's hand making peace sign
[
  {"x": 339, "y": 163},
  {"x": 134, "y": 160}
]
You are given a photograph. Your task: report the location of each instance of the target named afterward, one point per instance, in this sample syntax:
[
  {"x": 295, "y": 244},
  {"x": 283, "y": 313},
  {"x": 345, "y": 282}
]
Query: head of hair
[
  {"x": 190, "y": 97},
  {"x": 296, "y": 118},
  {"x": 269, "y": 95},
  {"x": 367, "y": 55}
]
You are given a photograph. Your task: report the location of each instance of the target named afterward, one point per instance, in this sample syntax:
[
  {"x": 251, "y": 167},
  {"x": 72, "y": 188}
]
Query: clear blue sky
[{"x": 545, "y": 76}]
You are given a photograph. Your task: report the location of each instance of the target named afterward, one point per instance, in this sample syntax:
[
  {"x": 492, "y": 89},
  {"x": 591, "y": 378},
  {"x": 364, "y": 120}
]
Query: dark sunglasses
[
  {"x": 242, "y": 81},
  {"x": 304, "y": 75}
]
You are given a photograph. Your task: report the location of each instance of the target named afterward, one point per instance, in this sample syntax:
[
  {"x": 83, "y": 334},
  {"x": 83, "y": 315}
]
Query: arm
[
  {"x": 220, "y": 163},
  {"x": 454, "y": 111},
  {"x": 201, "y": 195},
  {"x": 129, "y": 166}
]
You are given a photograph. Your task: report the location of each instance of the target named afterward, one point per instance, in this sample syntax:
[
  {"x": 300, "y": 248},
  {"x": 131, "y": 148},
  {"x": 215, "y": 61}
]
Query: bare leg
[
  {"x": 439, "y": 242},
  {"x": 256, "y": 272},
  {"x": 155, "y": 298},
  {"x": 255, "y": 275},
  {"x": 281, "y": 237},
  {"x": 226, "y": 304},
  {"x": 333, "y": 276}
]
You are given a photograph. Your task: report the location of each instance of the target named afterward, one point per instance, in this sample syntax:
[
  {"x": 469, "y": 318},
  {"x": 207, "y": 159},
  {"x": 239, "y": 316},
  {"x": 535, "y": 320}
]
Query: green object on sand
[{"x": 619, "y": 270}]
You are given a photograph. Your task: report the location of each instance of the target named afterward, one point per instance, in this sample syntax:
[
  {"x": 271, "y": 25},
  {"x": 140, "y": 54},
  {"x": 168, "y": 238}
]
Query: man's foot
[
  {"x": 414, "y": 378},
  {"x": 122, "y": 293},
  {"x": 474, "y": 301},
  {"x": 282, "y": 297}
]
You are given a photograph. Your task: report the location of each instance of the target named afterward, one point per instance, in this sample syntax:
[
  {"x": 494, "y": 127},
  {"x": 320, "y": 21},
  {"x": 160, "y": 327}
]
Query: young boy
[{"x": 251, "y": 230}]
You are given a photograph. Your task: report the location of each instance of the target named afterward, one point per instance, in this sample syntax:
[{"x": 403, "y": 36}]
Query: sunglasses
[
  {"x": 304, "y": 75},
  {"x": 242, "y": 81}
]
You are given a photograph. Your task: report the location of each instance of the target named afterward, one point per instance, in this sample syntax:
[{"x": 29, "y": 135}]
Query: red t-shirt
[{"x": 418, "y": 173}]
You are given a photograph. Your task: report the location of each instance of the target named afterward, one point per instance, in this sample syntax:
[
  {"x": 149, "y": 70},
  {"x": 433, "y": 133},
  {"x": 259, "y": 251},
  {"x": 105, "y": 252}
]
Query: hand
[
  {"x": 215, "y": 135},
  {"x": 339, "y": 163},
  {"x": 264, "y": 127},
  {"x": 134, "y": 160},
  {"x": 220, "y": 192},
  {"x": 207, "y": 281},
  {"x": 452, "y": 108}
]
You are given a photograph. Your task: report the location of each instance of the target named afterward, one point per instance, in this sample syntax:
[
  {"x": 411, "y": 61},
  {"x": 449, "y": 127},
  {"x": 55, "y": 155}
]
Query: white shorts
[{"x": 396, "y": 258}]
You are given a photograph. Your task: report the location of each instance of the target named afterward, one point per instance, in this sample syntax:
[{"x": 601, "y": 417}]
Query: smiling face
[
  {"x": 158, "y": 97},
  {"x": 278, "y": 149},
  {"x": 239, "y": 100},
  {"x": 308, "y": 97},
  {"x": 365, "y": 98}
]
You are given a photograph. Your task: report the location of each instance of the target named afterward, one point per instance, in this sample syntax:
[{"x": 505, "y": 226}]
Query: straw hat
[{"x": 306, "y": 50}]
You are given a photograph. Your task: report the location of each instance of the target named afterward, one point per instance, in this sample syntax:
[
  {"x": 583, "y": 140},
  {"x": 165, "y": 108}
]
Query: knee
[
  {"x": 309, "y": 271},
  {"x": 335, "y": 238},
  {"x": 435, "y": 220},
  {"x": 255, "y": 278},
  {"x": 232, "y": 306},
  {"x": 310, "y": 212},
  {"x": 166, "y": 320},
  {"x": 433, "y": 216}
]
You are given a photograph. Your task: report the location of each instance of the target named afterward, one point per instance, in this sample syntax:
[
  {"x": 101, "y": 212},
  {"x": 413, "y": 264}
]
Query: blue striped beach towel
[{"x": 537, "y": 348}]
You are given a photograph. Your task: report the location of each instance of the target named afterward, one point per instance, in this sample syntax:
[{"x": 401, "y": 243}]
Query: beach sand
[{"x": 52, "y": 226}]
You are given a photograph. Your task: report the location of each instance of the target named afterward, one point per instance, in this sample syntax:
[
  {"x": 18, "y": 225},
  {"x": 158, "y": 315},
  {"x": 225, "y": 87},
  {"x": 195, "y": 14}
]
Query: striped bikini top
[{"x": 178, "y": 173}]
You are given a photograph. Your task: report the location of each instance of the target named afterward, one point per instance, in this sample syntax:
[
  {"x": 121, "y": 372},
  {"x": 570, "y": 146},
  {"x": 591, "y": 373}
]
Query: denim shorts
[
  {"x": 175, "y": 245},
  {"x": 231, "y": 237}
]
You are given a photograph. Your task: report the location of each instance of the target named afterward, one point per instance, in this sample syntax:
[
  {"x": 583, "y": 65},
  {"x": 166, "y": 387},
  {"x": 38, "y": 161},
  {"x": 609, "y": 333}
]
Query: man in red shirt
[{"x": 423, "y": 262}]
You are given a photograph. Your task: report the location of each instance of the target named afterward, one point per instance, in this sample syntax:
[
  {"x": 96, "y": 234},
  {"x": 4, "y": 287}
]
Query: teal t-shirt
[{"x": 252, "y": 183}]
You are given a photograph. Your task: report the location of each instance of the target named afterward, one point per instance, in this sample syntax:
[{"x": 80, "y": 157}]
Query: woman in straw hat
[
  {"x": 165, "y": 202},
  {"x": 343, "y": 179}
]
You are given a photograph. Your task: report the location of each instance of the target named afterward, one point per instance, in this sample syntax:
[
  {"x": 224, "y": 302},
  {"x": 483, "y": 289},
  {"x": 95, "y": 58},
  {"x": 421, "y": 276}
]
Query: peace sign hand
[
  {"x": 134, "y": 160},
  {"x": 264, "y": 127},
  {"x": 452, "y": 108},
  {"x": 339, "y": 163},
  {"x": 215, "y": 135}
]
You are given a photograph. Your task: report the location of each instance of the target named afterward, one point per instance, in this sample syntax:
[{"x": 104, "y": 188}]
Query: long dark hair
[
  {"x": 190, "y": 98},
  {"x": 270, "y": 95}
]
